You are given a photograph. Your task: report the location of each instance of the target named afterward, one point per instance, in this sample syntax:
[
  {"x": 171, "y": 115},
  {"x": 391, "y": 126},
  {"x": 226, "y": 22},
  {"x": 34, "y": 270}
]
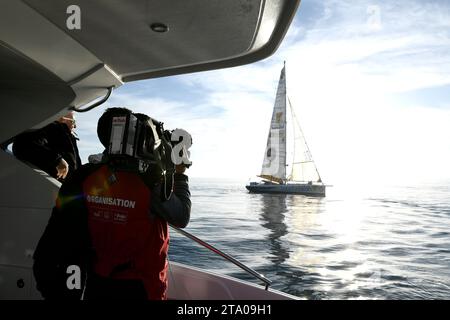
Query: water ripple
[{"x": 393, "y": 244}]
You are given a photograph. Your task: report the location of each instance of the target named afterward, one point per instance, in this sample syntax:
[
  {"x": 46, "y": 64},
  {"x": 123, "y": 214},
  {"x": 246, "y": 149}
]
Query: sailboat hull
[{"x": 316, "y": 190}]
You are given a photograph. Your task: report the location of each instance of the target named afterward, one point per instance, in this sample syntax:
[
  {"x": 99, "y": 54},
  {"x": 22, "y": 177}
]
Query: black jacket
[
  {"x": 45, "y": 147},
  {"x": 66, "y": 239}
]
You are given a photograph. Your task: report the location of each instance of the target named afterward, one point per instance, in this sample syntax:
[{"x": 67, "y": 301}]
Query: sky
[{"x": 369, "y": 81}]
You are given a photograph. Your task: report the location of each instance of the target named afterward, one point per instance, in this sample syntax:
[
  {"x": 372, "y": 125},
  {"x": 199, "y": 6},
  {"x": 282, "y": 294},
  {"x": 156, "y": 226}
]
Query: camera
[{"x": 144, "y": 145}]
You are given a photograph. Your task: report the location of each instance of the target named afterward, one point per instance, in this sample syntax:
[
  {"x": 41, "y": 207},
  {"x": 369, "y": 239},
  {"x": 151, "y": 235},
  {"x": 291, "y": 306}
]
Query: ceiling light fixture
[{"x": 159, "y": 27}]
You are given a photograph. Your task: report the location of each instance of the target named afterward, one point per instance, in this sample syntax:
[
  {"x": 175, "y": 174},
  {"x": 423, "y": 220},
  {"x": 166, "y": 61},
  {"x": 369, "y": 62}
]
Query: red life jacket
[{"x": 129, "y": 241}]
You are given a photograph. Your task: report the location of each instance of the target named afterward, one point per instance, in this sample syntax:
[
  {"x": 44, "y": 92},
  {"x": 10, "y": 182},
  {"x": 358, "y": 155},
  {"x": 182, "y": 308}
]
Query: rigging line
[{"x": 303, "y": 135}]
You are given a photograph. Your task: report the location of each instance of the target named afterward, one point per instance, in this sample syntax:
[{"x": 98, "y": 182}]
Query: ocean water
[{"x": 383, "y": 243}]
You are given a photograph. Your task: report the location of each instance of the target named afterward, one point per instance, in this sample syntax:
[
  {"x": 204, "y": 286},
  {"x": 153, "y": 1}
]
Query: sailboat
[{"x": 304, "y": 178}]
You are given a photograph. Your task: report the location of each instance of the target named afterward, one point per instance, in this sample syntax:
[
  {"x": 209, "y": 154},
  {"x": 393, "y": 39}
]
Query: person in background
[
  {"x": 111, "y": 220},
  {"x": 52, "y": 148}
]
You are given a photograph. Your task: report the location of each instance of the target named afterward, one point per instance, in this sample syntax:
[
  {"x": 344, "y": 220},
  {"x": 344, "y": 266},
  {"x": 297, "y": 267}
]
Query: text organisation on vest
[{"x": 111, "y": 201}]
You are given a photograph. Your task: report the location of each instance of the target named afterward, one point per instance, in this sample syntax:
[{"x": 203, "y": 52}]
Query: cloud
[
  {"x": 345, "y": 77},
  {"x": 349, "y": 68}
]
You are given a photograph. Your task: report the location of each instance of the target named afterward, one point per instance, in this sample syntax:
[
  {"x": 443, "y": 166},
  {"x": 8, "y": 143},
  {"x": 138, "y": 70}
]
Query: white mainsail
[{"x": 274, "y": 164}]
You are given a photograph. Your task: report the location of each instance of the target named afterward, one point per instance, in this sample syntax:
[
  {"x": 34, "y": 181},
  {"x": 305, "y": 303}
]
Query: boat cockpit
[{"x": 60, "y": 55}]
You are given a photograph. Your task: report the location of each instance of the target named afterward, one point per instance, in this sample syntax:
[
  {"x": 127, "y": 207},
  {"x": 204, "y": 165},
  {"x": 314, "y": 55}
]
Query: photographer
[{"x": 111, "y": 218}]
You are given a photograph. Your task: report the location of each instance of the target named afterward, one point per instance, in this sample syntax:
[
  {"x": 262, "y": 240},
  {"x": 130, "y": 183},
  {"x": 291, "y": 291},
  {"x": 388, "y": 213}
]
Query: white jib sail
[
  {"x": 303, "y": 166},
  {"x": 274, "y": 164}
]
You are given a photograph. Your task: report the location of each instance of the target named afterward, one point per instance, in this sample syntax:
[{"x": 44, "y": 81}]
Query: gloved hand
[
  {"x": 153, "y": 176},
  {"x": 180, "y": 168}
]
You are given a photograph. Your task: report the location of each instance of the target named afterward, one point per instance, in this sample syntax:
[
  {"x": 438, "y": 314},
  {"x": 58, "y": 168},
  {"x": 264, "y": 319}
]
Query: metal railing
[{"x": 261, "y": 277}]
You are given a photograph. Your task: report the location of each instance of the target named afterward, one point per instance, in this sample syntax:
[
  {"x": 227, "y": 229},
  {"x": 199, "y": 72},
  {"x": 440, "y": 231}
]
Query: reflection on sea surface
[
  {"x": 273, "y": 212},
  {"x": 383, "y": 244}
]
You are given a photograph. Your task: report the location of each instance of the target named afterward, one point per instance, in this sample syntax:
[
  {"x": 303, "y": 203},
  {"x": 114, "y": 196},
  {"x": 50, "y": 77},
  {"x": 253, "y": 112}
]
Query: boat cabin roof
[{"x": 58, "y": 54}]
